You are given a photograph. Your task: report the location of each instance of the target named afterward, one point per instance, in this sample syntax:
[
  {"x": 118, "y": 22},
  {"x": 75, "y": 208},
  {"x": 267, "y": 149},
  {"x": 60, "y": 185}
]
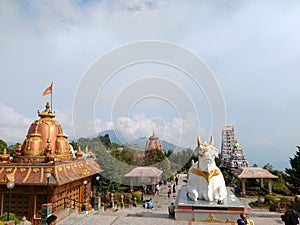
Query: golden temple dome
[{"x": 45, "y": 141}]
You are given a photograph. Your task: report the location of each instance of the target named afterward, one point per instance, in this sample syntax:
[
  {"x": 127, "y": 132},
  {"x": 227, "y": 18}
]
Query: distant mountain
[{"x": 138, "y": 144}]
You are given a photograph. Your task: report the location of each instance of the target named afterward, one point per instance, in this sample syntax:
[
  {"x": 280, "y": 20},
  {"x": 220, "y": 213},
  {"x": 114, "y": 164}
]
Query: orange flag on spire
[{"x": 48, "y": 90}]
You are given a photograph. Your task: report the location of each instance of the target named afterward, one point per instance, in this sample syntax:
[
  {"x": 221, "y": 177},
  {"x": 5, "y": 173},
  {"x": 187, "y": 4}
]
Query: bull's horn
[
  {"x": 211, "y": 142},
  {"x": 199, "y": 141}
]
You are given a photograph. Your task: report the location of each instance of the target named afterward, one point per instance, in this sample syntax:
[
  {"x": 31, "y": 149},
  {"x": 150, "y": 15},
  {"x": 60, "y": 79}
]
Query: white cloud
[
  {"x": 254, "y": 53},
  {"x": 13, "y": 125}
]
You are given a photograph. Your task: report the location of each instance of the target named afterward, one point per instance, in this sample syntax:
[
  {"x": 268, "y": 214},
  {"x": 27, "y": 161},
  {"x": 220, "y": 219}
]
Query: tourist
[
  {"x": 171, "y": 209},
  {"x": 290, "y": 216},
  {"x": 157, "y": 189},
  {"x": 51, "y": 220},
  {"x": 176, "y": 179},
  {"x": 148, "y": 204},
  {"x": 244, "y": 220}
]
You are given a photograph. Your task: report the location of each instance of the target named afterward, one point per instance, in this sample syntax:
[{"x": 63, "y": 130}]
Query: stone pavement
[{"x": 159, "y": 214}]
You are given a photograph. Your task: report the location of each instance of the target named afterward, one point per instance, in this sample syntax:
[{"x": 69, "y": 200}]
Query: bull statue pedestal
[{"x": 205, "y": 197}]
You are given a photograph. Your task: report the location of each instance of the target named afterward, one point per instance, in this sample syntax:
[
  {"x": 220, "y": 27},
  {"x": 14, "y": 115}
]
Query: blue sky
[{"x": 252, "y": 49}]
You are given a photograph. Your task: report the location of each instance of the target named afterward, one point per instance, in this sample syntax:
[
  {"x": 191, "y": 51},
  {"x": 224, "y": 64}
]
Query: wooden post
[
  {"x": 244, "y": 187},
  {"x": 270, "y": 186}
]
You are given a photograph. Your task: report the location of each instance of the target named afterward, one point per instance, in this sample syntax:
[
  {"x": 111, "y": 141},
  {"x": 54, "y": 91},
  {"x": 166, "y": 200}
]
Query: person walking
[
  {"x": 157, "y": 189},
  {"x": 290, "y": 216},
  {"x": 171, "y": 209}
]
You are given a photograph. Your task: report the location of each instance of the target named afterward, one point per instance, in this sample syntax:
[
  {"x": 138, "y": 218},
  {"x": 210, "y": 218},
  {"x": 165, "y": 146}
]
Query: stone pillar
[
  {"x": 131, "y": 185},
  {"x": 112, "y": 201},
  {"x": 270, "y": 186},
  {"x": 262, "y": 183},
  {"x": 46, "y": 210},
  {"x": 244, "y": 187},
  {"x": 122, "y": 201}
]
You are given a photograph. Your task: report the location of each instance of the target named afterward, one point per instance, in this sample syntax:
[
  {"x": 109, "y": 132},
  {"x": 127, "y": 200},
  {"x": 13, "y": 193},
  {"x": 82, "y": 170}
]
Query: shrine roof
[
  {"x": 61, "y": 172},
  {"x": 253, "y": 172},
  {"x": 144, "y": 172}
]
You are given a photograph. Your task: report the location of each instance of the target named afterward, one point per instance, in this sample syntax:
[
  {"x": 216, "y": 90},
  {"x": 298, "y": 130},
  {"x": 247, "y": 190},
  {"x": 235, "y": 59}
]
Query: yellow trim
[
  {"x": 27, "y": 175},
  {"x": 206, "y": 175},
  {"x": 42, "y": 174}
]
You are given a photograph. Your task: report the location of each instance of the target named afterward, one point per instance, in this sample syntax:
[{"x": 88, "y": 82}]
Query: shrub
[
  {"x": 137, "y": 195},
  {"x": 123, "y": 189},
  {"x": 12, "y": 216},
  {"x": 269, "y": 199},
  {"x": 172, "y": 178}
]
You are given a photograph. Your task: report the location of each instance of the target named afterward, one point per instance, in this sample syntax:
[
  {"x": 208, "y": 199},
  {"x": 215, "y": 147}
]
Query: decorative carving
[
  {"x": 5, "y": 157},
  {"x": 19, "y": 150},
  {"x": 35, "y": 170}
]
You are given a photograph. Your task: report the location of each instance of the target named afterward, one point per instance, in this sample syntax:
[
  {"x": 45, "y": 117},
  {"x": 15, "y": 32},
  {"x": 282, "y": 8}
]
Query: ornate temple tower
[
  {"x": 232, "y": 155},
  {"x": 45, "y": 171},
  {"x": 154, "y": 143}
]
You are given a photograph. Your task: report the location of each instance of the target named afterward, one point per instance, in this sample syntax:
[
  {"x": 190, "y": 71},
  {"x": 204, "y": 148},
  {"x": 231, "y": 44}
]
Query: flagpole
[{"x": 51, "y": 101}]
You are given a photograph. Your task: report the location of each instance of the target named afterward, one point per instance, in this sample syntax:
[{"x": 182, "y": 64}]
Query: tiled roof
[
  {"x": 144, "y": 172},
  {"x": 35, "y": 174},
  {"x": 253, "y": 172}
]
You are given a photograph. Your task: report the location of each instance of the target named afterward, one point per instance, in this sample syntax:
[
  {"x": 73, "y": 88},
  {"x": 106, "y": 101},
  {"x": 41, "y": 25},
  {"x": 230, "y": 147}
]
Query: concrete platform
[{"x": 204, "y": 211}]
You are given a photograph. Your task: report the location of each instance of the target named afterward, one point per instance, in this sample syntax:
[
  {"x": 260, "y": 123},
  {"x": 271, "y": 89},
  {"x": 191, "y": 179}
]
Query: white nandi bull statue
[{"x": 205, "y": 180}]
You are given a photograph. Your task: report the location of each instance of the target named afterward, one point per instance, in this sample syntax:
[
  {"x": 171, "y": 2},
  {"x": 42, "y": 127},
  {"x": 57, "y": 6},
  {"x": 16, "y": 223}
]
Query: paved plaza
[{"x": 159, "y": 214}]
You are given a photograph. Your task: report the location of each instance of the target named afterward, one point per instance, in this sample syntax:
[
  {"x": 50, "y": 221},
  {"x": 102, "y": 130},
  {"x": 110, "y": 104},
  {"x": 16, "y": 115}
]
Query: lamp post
[
  {"x": 48, "y": 179},
  {"x": 84, "y": 196},
  {"x": 97, "y": 186},
  {"x": 10, "y": 185},
  {"x": 97, "y": 198}
]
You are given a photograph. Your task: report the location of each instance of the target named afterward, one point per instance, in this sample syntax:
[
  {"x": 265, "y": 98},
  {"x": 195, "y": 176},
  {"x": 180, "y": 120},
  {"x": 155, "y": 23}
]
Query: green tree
[
  {"x": 3, "y": 145},
  {"x": 74, "y": 145},
  {"x": 12, "y": 149},
  {"x": 105, "y": 140},
  {"x": 293, "y": 174}
]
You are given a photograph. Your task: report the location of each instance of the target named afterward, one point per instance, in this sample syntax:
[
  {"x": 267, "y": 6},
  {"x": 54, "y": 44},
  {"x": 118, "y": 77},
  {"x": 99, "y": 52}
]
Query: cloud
[
  {"x": 253, "y": 52},
  {"x": 13, "y": 125}
]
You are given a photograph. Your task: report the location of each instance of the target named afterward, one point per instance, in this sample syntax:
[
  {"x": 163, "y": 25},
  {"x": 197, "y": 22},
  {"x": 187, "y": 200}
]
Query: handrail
[{"x": 66, "y": 202}]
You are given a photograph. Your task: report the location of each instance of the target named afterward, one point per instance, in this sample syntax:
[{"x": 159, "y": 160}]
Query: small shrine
[
  {"x": 44, "y": 171},
  {"x": 154, "y": 143}
]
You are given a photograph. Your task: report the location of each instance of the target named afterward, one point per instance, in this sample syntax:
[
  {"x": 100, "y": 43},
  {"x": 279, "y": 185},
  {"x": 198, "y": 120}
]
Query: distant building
[
  {"x": 232, "y": 155},
  {"x": 154, "y": 143}
]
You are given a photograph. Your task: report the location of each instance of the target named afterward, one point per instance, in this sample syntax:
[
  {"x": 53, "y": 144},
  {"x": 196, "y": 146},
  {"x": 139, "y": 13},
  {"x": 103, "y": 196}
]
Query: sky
[{"x": 177, "y": 68}]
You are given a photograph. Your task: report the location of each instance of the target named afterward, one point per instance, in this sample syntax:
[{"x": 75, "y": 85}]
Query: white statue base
[{"x": 204, "y": 211}]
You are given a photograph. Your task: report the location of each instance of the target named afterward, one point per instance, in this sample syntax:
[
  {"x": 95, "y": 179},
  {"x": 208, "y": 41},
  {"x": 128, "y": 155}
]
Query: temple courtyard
[{"x": 159, "y": 214}]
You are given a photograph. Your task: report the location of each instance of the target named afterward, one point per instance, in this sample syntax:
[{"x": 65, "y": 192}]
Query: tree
[
  {"x": 74, "y": 145},
  {"x": 3, "y": 145},
  {"x": 293, "y": 174},
  {"x": 12, "y": 149},
  {"x": 105, "y": 140}
]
